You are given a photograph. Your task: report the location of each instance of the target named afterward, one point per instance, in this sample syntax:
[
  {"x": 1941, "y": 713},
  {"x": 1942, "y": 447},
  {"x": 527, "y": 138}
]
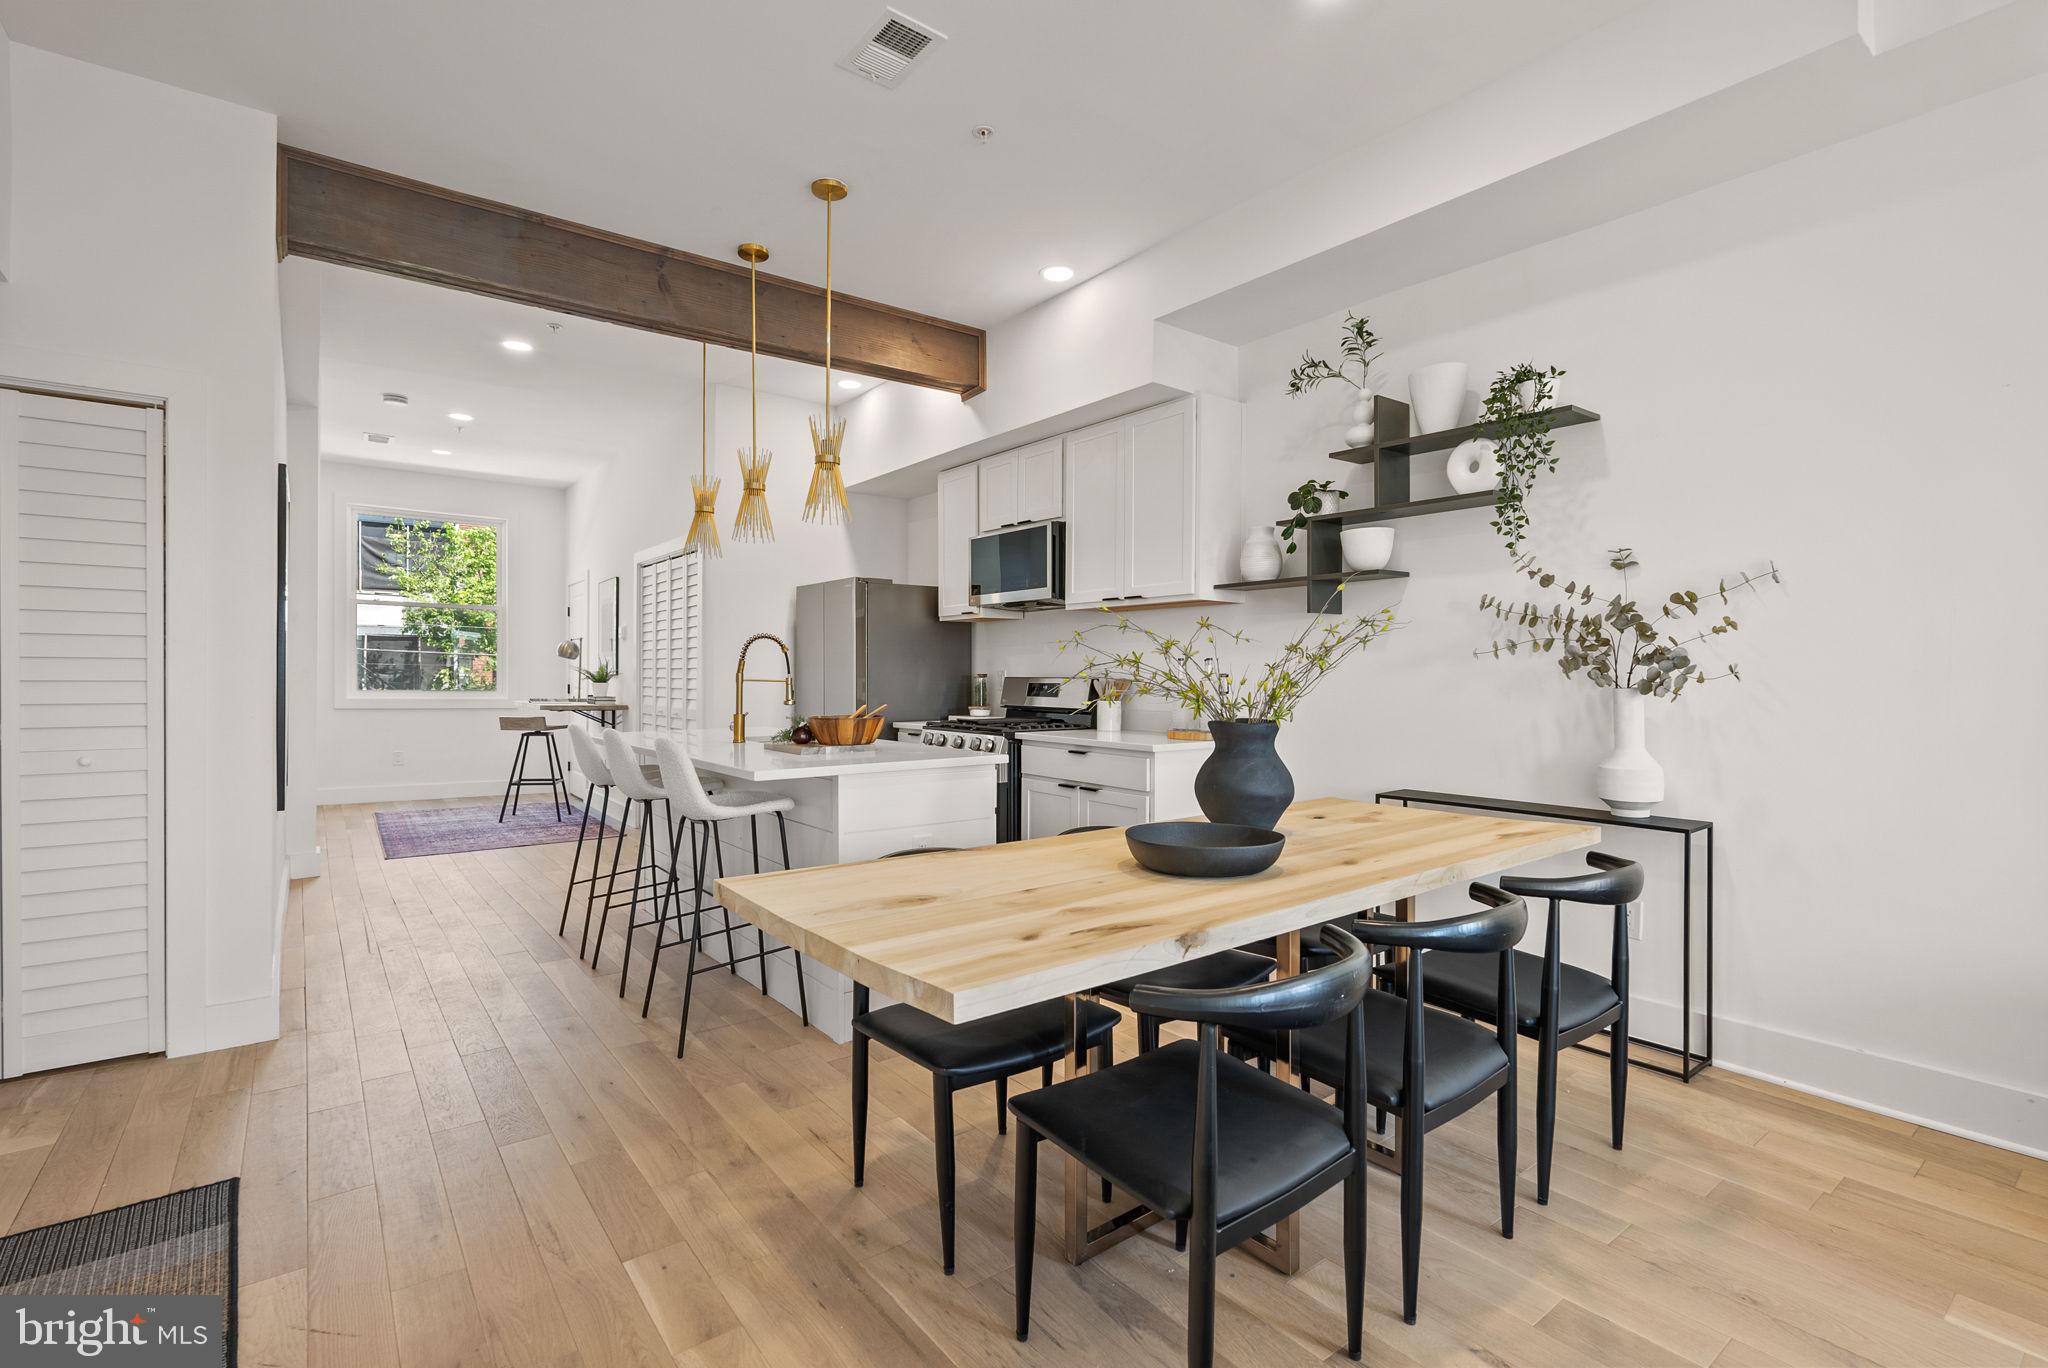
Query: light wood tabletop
[
  {"x": 965, "y": 934},
  {"x": 968, "y": 933}
]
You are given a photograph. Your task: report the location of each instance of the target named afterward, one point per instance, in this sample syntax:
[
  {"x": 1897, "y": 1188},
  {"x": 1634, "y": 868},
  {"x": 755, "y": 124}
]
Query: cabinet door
[
  {"x": 1159, "y": 502},
  {"x": 958, "y": 518},
  {"x": 1114, "y": 807},
  {"x": 1096, "y": 528},
  {"x": 1038, "y": 482},
  {"x": 999, "y": 492},
  {"x": 1050, "y": 807}
]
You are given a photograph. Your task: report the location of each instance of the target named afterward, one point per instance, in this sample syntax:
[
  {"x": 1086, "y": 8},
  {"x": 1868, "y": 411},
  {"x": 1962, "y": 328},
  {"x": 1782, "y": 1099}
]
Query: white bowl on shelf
[{"x": 1367, "y": 548}]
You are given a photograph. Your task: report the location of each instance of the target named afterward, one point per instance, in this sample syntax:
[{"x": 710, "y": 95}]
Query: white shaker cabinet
[
  {"x": 1151, "y": 517},
  {"x": 1021, "y": 486},
  {"x": 958, "y": 520},
  {"x": 1087, "y": 778}
]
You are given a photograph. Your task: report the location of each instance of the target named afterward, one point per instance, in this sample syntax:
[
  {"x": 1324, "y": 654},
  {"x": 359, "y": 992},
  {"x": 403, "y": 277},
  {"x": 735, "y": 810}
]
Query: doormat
[{"x": 155, "y": 1279}]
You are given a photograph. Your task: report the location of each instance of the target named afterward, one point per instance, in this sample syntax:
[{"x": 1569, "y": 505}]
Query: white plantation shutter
[
  {"x": 81, "y": 731},
  {"x": 671, "y": 641}
]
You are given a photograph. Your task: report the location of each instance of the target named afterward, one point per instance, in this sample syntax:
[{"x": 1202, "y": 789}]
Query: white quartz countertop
[
  {"x": 752, "y": 762},
  {"x": 1149, "y": 743}
]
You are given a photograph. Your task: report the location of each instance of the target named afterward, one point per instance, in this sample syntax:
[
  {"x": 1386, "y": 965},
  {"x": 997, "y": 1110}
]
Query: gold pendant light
[
  {"x": 827, "y": 500},
  {"x": 704, "y": 523},
  {"x": 752, "y": 522}
]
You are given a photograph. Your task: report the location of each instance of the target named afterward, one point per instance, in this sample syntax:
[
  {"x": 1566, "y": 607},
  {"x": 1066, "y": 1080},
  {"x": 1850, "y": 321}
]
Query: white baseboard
[
  {"x": 394, "y": 793},
  {"x": 305, "y": 864},
  {"x": 1940, "y": 1099},
  {"x": 241, "y": 1023}
]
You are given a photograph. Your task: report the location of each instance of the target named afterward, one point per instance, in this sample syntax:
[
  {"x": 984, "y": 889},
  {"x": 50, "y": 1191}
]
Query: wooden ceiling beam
[{"x": 334, "y": 211}]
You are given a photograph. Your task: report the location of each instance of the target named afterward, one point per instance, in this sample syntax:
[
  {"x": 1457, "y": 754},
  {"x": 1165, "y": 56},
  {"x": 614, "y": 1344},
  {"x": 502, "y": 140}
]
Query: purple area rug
[{"x": 407, "y": 832}]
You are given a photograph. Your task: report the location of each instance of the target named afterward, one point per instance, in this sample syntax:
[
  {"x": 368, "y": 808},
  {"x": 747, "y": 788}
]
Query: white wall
[
  {"x": 145, "y": 262},
  {"x": 1826, "y": 364},
  {"x": 6, "y": 159},
  {"x": 642, "y": 499},
  {"x": 450, "y": 749}
]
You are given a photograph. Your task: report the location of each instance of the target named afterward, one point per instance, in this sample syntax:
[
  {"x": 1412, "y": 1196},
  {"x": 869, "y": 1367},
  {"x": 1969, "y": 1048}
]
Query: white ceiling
[
  {"x": 584, "y": 394},
  {"x": 699, "y": 126}
]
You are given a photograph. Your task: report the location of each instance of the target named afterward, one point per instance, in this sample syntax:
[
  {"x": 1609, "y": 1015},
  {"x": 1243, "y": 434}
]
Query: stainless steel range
[{"x": 1029, "y": 705}]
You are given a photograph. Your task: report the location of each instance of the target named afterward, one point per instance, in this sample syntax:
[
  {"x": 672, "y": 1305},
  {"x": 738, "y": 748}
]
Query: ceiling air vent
[
  {"x": 892, "y": 44},
  {"x": 377, "y": 438}
]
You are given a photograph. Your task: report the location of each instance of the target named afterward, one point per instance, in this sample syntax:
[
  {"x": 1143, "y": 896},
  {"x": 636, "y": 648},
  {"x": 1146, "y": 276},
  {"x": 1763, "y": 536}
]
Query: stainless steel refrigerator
[{"x": 875, "y": 641}]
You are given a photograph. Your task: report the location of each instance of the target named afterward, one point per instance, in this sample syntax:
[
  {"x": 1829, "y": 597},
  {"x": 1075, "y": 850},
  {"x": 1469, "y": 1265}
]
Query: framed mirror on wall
[{"x": 604, "y": 632}]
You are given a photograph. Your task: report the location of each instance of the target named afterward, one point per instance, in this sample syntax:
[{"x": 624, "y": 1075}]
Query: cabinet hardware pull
[
  {"x": 1072, "y": 751},
  {"x": 1087, "y": 788},
  {"x": 1070, "y": 786}
]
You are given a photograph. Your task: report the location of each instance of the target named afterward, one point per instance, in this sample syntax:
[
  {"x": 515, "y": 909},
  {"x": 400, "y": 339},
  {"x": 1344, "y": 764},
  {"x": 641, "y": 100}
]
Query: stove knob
[
  {"x": 959, "y": 742},
  {"x": 982, "y": 743},
  {"x": 933, "y": 739}
]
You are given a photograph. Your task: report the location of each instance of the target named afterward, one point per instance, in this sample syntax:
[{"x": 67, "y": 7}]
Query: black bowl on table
[{"x": 1203, "y": 850}]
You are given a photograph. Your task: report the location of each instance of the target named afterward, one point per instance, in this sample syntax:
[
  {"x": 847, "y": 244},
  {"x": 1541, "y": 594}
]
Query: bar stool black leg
[
  {"x": 558, "y": 782},
  {"x": 611, "y": 878},
  {"x": 760, "y": 936},
  {"x": 696, "y": 940},
  {"x": 671, "y": 896},
  {"x": 803, "y": 1001},
  {"x": 575, "y": 861},
  {"x": 512, "y": 780},
  {"x": 1002, "y": 1106}
]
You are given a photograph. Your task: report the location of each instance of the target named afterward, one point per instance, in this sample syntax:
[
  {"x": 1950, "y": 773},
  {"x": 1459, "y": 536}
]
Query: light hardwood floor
[{"x": 465, "y": 1150}]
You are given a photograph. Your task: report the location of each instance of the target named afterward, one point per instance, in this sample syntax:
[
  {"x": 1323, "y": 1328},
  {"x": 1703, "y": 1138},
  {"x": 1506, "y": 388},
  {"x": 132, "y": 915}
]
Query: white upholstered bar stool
[
  {"x": 640, "y": 784},
  {"x": 597, "y": 775},
  {"x": 679, "y": 778}
]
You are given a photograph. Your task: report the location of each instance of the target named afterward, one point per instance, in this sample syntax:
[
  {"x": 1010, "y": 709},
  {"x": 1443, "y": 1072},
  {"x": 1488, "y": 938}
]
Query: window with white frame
[
  {"x": 671, "y": 639},
  {"x": 426, "y": 606}
]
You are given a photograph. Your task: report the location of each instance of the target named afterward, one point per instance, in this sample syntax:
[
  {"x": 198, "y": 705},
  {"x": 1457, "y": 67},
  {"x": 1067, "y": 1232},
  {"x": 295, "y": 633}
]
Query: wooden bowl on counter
[{"x": 846, "y": 729}]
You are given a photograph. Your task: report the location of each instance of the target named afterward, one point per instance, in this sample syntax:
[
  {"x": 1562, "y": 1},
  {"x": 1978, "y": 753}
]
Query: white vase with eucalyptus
[
  {"x": 1353, "y": 368},
  {"x": 1635, "y": 653}
]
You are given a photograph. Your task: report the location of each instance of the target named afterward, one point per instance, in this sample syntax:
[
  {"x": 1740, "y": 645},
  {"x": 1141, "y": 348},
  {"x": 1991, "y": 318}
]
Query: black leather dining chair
[
  {"x": 1555, "y": 1003},
  {"x": 994, "y": 1049},
  {"x": 1203, "y": 1138},
  {"x": 1424, "y": 1066}
]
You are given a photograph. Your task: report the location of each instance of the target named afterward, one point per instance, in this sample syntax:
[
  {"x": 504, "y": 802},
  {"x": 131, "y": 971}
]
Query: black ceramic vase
[{"x": 1243, "y": 782}]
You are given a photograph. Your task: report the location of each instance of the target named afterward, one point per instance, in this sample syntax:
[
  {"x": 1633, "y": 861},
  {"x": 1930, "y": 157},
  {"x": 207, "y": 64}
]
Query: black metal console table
[{"x": 1685, "y": 828}]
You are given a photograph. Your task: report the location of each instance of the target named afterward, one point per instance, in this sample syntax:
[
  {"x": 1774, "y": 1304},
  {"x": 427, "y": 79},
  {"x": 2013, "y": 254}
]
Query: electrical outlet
[
  {"x": 1635, "y": 920},
  {"x": 398, "y": 758}
]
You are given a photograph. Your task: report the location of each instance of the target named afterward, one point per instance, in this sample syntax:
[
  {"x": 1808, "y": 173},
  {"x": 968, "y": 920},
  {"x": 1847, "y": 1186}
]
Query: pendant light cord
[{"x": 828, "y": 315}]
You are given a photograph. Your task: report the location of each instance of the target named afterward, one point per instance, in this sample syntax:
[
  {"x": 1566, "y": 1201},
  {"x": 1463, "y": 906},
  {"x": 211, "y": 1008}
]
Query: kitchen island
[{"x": 852, "y": 804}]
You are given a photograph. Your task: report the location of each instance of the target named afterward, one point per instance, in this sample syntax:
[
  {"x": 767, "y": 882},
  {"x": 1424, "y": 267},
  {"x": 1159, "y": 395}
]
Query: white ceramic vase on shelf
[
  {"x": 1367, "y": 548},
  {"x": 1526, "y": 392},
  {"x": 1436, "y": 396},
  {"x": 1629, "y": 781},
  {"x": 1360, "y": 432},
  {"x": 1259, "y": 557},
  {"x": 1474, "y": 465}
]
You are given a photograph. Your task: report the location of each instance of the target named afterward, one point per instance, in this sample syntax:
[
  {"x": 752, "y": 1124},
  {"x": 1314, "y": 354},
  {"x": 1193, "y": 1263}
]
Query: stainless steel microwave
[{"x": 1019, "y": 565}]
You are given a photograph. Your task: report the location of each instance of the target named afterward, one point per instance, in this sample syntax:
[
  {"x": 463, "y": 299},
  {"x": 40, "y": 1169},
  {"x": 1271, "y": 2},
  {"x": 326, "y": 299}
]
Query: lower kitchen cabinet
[
  {"x": 1073, "y": 779},
  {"x": 1055, "y": 805}
]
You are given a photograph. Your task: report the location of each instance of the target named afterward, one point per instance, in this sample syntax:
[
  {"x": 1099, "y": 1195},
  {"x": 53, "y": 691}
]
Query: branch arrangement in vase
[
  {"x": 1617, "y": 644},
  {"x": 1356, "y": 348},
  {"x": 1516, "y": 419},
  {"x": 1192, "y": 672}
]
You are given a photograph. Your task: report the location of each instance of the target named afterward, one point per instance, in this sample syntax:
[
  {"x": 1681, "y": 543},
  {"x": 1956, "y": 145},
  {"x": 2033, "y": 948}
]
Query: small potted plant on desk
[
  {"x": 603, "y": 679},
  {"x": 1243, "y": 782}
]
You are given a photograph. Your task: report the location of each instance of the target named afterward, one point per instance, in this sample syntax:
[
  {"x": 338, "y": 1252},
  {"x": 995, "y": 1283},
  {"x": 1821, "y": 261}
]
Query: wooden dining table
[{"x": 965, "y": 934}]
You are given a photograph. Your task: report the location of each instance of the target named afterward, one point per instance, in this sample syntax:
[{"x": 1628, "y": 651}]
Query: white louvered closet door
[
  {"x": 81, "y": 731},
  {"x": 671, "y": 642}
]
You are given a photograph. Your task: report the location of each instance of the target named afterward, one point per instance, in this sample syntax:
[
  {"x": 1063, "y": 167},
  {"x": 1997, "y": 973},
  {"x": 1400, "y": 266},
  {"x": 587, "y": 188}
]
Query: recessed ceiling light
[
  {"x": 516, "y": 344},
  {"x": 443, "y": 451},
  {"x": 1058, "y": 275},
  {"x": 461, "y": 418},
  {"x": 849, "y": 384}
]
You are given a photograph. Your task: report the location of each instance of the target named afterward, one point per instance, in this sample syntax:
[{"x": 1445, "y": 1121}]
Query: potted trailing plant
[
  {"x": 1516, "y": 419},
  {"x": 600, "y": 675},
  {"x": 1243, "y": 781},
  {"x": 1637, "y": 653},
  {"x": 1306, "y": 502},
  {"x": 1355, "y": 349}
]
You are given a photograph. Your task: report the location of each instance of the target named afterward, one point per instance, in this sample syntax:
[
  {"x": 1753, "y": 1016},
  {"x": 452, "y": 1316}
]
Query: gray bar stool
[
  {"x": 640, "y": 784},
  {"x": 528, "y": 727}
]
